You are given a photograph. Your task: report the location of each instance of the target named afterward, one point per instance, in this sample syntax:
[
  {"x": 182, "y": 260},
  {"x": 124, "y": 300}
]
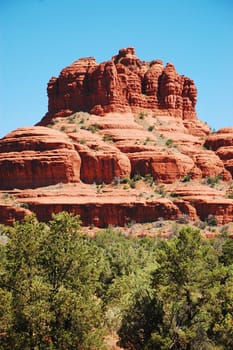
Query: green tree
[
  {"x": 50, "y": 275},
  {"x": 190, "y": 289},
  {"x": 124, "y": 255},
  {"x": 22, "y": 280},
  {"x": 128, "y": 263},
  {"x": 72, "y": 268},
  {"x": 227, "y": 252},
  {"x": 6, "y": 299}
]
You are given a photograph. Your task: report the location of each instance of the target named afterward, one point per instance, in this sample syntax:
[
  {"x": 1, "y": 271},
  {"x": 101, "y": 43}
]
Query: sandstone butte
[{"x": 121, "y": 143}]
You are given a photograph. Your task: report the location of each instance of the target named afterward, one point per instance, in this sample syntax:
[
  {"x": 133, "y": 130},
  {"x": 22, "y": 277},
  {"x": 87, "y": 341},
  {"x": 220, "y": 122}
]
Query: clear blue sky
[{"x": 40, "y": 37}]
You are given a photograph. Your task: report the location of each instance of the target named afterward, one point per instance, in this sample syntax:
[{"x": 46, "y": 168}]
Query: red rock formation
[
  {"x": 86, "y": 162},
  {"x": 37, "y": 156},
  {"x": 210, "y": 165},
  {"x": 220, "y": 209},
  {"x": 164, "y": 166},
  {"x": 222, "y": 143},
  {"x": 206, "y": 201},
  {"x": 112, "y": 206},
  {"x": 226, "y": 154},
  {"x": 223, "y": 137},
  {"x": 100, "y": 162},
  {"x": 124, "y": 83},
  {"x": 9, "y": 214},
  {"x": 105, "y": 214}
]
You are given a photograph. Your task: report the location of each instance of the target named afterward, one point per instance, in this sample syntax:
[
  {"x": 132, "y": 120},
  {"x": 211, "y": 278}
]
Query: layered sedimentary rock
[
  {"x": 211, "y": 165},
  {"x": 226, "y": 154},
  {"x": 100, "y": 162},
  {"x": 222, "y": 138},
  {"x": 37, "y": 156},
  {"x": 93, "y": 154},
  {"x": 207, "y": 201},
  {"x": 165, "y": 167},
  {"x": 102, "y": 214},
  {"x": 139, "y": 155},
  {"x": 124, "y": 83},
  {"x": 222, "y": 142},
  {"x": 220, "y": 209}
]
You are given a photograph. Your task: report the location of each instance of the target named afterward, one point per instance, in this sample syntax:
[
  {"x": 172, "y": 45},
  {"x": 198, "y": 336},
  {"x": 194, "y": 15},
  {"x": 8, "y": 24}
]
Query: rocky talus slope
[{"x": 121, "y": 143}]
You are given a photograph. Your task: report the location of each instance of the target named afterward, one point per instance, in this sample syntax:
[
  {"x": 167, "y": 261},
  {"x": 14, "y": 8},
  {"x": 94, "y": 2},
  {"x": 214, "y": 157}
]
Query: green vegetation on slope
[{"x": 61, "y": 289}]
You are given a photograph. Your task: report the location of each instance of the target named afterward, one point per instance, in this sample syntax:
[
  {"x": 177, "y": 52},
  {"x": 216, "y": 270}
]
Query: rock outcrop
[
  {"x": 207, "y": 201},
  {"x": 100, "y": 162},
  {"x": 164, "y": 166},
  {"x": 122, "y": 84},
  {"x": 211, "y": 165},
  {"x": 37, "y": 156},
  {"x": 222, "y": 138},
  {"x": 117, "y": 214},
  {"x": 139, "y": 155},
  {"x": 222, "y": 142},
  {"x": 10, "y": 213}
]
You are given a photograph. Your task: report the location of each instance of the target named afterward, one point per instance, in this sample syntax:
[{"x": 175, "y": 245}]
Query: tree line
[{"x": 60, "y": 289}]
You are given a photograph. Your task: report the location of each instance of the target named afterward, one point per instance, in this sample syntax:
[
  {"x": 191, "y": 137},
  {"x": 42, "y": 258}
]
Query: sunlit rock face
[
  {"x": 122, "y": 84},
  {"x": 37, "y": 156},
  {"x": 140, "y": 153}
]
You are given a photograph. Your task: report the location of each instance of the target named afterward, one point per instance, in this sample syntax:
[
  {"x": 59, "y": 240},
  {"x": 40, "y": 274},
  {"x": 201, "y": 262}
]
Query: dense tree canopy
[
  {"x": 189, "y": 304},
  {"x": 49, "y": 281},
  {"x": 60, "y": 289}
]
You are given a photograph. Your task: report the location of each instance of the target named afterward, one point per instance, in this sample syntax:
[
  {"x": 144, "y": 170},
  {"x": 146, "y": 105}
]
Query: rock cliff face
[
  {"x": 100, "y": 162},
  {"x": 139, "y": 155},
  {"x": 37, "y": 156},
  {"x": 122, "y": 84},
  {"x": 92, "y": 167},
  {"x": 222, "y": 143}
]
